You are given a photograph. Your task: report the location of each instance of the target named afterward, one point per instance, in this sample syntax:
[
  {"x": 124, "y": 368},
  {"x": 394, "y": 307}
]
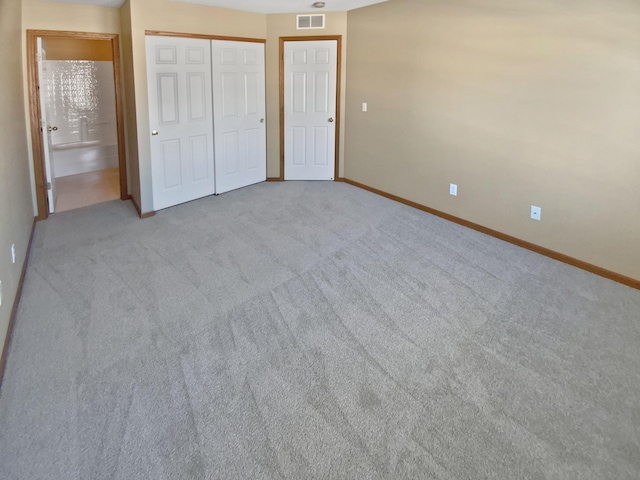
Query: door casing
[
  {"x": 338, "y": 39},
  {"x": 35, "y": 112}
]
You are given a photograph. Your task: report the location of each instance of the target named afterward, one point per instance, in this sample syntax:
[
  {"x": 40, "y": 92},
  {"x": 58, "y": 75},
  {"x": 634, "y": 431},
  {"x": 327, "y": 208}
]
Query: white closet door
[
  {"x": 310, "y": 83},
  {"x": 181, "y": 119},
  {"x": 239, "y": 114}
]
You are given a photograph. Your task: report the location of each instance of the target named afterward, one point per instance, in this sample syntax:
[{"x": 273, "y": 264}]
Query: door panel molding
[
  {"x": 338, "y": 39},
  {"x": 35, "y": 109}
]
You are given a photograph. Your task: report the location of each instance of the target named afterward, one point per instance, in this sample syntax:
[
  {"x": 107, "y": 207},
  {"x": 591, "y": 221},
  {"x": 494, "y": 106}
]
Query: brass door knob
[
  {"x": 331, "y": 120},
  {"x": 262, "y": 120},
  {"x": 154, "y": 133}
]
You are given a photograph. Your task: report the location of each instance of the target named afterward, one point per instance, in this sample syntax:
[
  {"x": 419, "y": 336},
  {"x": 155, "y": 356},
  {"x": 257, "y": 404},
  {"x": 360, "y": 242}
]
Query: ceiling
[{"x": 259, "y": 6}]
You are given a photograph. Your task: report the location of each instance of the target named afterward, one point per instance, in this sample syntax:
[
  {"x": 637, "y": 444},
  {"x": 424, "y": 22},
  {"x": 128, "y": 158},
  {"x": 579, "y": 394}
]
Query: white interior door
[
  {"x": 45, "y": 105},
  {"x": 239, "y": 114},
  {"x": 181, "y": 119},
  {"x": 310, "y": 83}
]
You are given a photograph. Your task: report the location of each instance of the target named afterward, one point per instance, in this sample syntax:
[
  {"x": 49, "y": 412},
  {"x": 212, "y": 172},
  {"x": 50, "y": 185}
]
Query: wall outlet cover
[{"x": 536, "y": 212}]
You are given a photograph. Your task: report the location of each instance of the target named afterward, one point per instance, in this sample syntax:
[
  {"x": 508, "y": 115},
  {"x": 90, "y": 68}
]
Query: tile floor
[{"x": 84, "y": 189}]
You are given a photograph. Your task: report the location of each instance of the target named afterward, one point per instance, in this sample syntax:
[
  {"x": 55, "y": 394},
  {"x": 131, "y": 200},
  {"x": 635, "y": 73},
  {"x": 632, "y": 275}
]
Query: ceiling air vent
[{"x": 310, "y": 21}]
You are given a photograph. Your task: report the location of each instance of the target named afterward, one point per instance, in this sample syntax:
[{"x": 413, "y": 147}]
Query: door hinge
[
  {"x": 48, "y": 185},
  {"x": 39, "y": 57}
]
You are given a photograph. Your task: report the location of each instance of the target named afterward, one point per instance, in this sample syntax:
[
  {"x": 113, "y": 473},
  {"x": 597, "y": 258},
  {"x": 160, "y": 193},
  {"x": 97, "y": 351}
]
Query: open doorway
[{"x": 76, "y": 119}]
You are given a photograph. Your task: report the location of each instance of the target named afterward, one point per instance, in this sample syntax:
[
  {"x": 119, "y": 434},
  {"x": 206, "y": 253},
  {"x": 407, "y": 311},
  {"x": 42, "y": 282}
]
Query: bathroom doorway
[{"x": 76, "y": 120}]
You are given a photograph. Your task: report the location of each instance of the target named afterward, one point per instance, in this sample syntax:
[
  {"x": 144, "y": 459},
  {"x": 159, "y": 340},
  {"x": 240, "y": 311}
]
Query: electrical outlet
[
  {"x": 13, "y": 252},
  {"x": 453, "y": 189},
  {"x": 365, "y": 107},
  {"x": 536, "y": 212}
]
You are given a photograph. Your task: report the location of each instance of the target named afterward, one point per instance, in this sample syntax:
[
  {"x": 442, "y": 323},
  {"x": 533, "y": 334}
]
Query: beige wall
[
  {"x": 16, "y": 210},
  {"x": 166, "y": 15},
  {"x": 519, "y": 103},
  {"x": 284, "y": 25},
  {"x": 48, "y": 15},
  {"x": 131, "y": 133}
]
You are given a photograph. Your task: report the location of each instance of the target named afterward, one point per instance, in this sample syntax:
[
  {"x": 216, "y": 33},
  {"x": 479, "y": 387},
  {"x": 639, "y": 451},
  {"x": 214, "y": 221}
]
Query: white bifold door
[
  {"x": 310, "y": 83},
  {"x": 239, "y": 114},
  {"x": 181, "y": 119},
  {"x": 206, "y": 114}
]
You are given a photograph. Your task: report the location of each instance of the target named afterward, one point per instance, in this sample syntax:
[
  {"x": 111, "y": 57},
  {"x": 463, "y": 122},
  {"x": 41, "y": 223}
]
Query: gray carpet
[{"x": 312, "y": 330}]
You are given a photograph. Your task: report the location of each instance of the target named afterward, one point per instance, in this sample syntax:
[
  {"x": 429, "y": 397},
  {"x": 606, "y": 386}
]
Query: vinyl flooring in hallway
[{"x": 84, "y": 189}]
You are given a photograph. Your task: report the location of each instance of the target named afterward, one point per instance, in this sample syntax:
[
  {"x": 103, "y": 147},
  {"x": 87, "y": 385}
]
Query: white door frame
[{"x": 283, "y": 40}]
